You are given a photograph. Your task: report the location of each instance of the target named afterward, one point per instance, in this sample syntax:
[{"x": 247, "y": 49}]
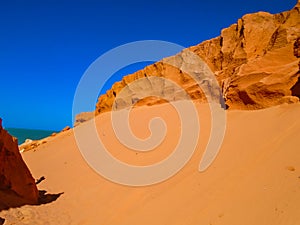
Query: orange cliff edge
[{"x": 246, "y": 60}]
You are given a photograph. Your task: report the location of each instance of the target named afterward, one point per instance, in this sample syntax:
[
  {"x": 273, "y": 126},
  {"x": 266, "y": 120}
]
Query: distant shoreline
[{"x": 23, "y": 134}]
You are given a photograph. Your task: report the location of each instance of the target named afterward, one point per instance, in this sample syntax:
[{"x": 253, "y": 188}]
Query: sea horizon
[{"x": 34, "y": 134}]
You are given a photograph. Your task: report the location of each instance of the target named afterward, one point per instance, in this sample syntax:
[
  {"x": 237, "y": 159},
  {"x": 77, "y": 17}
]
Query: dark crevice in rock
[
  {"x": 278, "y": 39},
  {"x": 221, "y": 60},
  {"x": 280, "y": 18},
  {"x": 273, "y": 40},
  {"x": 221, "y": 41},
  {"x": 242, "y": 32},
  {"x": 243, "y": 95},
  {"x": 296, "y": 89},
  {"x": 297, "y": 48}
]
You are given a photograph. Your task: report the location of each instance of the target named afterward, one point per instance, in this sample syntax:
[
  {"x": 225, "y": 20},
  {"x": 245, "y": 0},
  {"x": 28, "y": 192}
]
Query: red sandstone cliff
[{"x": 17, "y": 186}]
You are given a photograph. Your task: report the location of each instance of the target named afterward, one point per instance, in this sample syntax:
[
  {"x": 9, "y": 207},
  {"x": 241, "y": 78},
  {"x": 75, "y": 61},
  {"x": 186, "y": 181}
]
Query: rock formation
[
  {"x": 255, "y": 61},
  {"x": 17, "y": 186},
  {"x": 32, "y": 144},
  {"x": 82, "y": 117},
  {"x": 65, "y": 129}
]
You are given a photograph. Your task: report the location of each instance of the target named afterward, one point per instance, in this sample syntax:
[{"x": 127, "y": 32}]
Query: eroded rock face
[
  {"x": 255, "y": 61},
  {"x": 17, "y": 186},
  {"x": 176, "y": 75}
]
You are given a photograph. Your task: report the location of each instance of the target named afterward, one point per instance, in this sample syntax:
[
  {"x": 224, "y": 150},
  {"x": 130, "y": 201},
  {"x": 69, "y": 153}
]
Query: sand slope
[{"x": 254, "y": 180}]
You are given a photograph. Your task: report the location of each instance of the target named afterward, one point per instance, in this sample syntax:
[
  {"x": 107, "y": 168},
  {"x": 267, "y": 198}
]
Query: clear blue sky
[{"x": 46, "y": 46}]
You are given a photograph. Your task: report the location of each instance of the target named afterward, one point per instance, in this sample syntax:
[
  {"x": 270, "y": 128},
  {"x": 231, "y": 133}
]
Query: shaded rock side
[
  {"x": 17, "y": 186},
  {"x": 255, "y": 61}
]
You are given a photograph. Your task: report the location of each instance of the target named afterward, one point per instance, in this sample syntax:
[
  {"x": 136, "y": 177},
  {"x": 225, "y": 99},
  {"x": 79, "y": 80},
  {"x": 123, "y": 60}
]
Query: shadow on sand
[
  {"x": 45, "y": 198},
  {"x": 9, "y": 199}
]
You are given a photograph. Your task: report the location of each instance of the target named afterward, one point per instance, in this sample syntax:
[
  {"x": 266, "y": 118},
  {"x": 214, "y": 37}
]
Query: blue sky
[{"x": 46, "y": 46}]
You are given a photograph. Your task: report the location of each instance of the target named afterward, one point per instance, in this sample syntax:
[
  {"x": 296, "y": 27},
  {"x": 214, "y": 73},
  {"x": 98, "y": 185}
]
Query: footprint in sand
[{"x": 290, "y": 168}]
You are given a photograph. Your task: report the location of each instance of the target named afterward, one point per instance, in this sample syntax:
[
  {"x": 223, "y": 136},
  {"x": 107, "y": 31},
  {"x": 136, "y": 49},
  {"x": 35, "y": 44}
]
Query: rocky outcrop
[
  {"x": 32, "y": 144},
  {"x": 35, "y": 144},
  {"x": 65, "y": 129},
  {"x": 17, "y": 186},
  {"x": 82, "y": 117},
  {"x": 255, "y": 61}
]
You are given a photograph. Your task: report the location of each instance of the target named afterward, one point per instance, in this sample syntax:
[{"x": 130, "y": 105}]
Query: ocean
[{"x": 23, "y": 134}]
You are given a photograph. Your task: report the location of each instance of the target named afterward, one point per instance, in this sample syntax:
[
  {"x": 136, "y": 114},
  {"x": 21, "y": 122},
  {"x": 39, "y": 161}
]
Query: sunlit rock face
[{"x": 255, "y": 61}]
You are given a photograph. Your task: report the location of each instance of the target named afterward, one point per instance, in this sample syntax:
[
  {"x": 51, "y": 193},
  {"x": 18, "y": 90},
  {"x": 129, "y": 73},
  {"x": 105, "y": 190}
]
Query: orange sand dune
[{"x": 255, "y": 178}]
